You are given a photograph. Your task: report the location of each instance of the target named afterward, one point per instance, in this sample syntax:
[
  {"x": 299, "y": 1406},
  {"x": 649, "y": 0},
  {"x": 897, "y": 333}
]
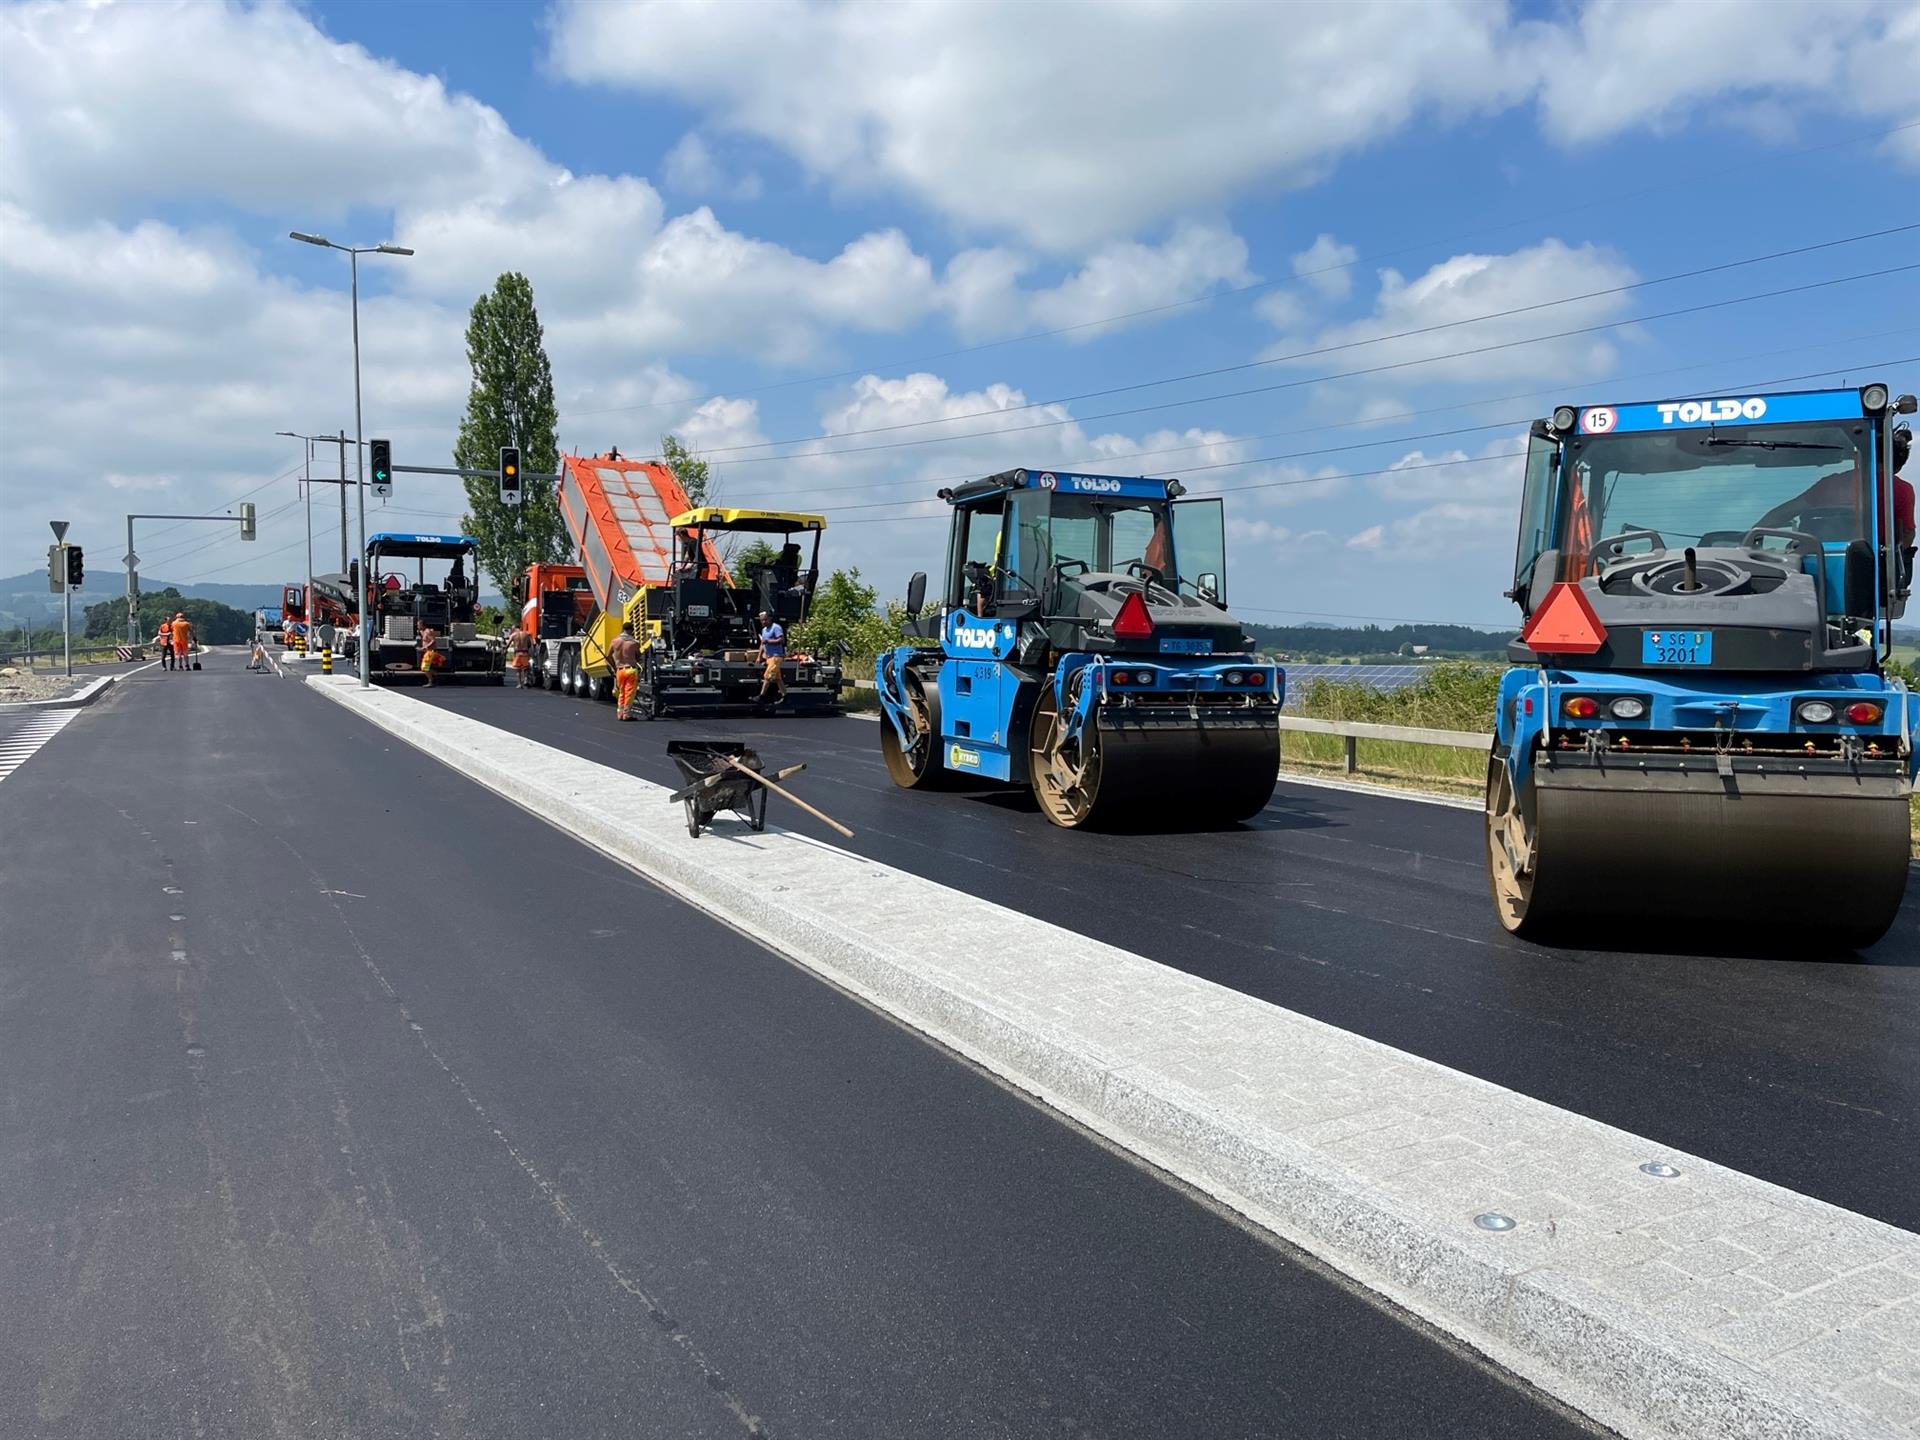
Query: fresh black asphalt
[
  {"x": 1372, "y": 914},
  {"x": 341, "y": 1098}
]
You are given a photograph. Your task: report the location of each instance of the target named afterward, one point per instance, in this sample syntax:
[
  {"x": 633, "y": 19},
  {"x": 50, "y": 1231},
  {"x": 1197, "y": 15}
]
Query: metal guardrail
[
  {"x": 1350, "y": 731},
  {"x": 90, "y": 655},
  {"x": 1353, "y": 731}
]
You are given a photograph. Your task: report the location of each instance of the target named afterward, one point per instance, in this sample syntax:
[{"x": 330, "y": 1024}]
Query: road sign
[
  {"x": 56, "y": 569},
  {"x": 129, "y": 559},
  {"x": 59, "y": 530}
]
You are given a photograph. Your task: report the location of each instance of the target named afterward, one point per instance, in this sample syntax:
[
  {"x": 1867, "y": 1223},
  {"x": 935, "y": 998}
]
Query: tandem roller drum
[
  {"x": 1768, "y": 846},
  {"x": 1148, "y": 775}
]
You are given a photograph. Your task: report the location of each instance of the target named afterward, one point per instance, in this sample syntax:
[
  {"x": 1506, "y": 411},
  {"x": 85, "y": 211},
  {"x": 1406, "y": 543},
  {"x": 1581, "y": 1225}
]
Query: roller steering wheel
[
  {"x": 1147, "y": 574},
  {"x": 1798, "y": 541}
]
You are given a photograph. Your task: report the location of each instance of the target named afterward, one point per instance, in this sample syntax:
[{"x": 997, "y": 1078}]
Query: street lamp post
[{"x": 354, "y": 252}]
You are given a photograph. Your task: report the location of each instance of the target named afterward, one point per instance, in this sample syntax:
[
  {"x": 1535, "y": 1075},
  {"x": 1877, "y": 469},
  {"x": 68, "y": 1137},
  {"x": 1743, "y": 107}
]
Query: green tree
[
  {"x": 689, "y": 469},
  {"x": 213, "y": 623},
  {"x": 741, "y": 565},
  {"x": 845, "y": 620},
  {"x": 510, "y": 402}
]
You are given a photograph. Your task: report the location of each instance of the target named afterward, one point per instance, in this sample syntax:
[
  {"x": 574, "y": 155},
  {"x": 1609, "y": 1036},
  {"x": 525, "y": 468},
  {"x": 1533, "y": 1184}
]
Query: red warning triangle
[{"x": 1565, "y": 625}]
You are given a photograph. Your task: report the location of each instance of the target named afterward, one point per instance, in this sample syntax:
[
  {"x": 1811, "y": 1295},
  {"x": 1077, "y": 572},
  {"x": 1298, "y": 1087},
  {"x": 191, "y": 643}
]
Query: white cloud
[
  {"x": 108, "y": 105},
  {"x": 692, "y": 168},
  {"x": 1656, "y": 64},
  {"x": 1122, "y": 278},
  {"x": 1367, "y": 539},
  {"x": 1466, "y": 286},
  {"x": 969, "y": 106},
  {"x": 1327, "y": 265}
]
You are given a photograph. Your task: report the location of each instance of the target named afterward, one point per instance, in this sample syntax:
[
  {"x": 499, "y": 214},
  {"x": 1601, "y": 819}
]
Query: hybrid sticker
[
  {"x": 1692, "y": 412},
  {"x": 960, "y": 758},
  {"x": 1599, "y": 420}
]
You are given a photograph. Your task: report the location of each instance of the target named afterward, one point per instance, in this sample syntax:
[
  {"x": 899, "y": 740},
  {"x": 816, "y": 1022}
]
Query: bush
[{"x": 845, "y": 621}]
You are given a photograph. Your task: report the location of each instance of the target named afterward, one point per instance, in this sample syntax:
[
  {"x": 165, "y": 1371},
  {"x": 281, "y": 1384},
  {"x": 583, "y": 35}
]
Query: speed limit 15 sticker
[{"x": 1598, "y": 420}]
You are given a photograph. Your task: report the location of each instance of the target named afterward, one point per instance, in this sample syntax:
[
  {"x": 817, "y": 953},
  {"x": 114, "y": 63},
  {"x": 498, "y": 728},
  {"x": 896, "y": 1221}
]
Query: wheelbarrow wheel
[
  {"x": 757, "y": 809},
  {"x": 693, "y": 818}
]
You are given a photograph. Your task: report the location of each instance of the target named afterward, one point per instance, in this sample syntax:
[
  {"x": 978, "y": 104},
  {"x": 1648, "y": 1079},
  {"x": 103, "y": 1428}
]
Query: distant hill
[{"x": 25, "y": 600}]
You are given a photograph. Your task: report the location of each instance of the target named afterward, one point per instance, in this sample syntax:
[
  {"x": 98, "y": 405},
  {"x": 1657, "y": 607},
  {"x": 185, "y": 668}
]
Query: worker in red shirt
[{"x": 1839, "y": 490}]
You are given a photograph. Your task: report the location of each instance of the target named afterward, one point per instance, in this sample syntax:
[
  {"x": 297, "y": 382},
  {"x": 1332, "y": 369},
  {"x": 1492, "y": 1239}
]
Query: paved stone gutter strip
[{"x": 1705, "y": 1304}]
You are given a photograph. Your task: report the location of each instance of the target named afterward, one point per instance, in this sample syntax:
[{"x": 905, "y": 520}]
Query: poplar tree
[{"x": 510, "y": 402}]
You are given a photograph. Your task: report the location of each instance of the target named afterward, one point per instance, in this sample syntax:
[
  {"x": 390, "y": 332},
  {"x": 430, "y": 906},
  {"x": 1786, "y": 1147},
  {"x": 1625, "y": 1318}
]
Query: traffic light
[
  {"x": 247, "y": 531},
  {"x": 76, "y": 567},
  {"x": 509, "y": 474},
  {"x": 380, "y": 457}
]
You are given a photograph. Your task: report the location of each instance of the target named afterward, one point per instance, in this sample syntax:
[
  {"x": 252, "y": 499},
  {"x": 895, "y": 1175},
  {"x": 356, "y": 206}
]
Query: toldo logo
[
  {"x": 1094, "y": 484},
  {"x": 1598, "y": 421},
  {"x": 968, "y": 638},
  {"x": 1693, "y": 412}
]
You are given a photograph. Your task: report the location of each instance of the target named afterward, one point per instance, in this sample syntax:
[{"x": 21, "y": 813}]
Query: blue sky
[{"x": 788, "y": 222}]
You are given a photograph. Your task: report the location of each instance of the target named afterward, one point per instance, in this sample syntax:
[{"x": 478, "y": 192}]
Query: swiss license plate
[
  {"x": 1172, "y": 646},
  {"x": 1676, "y": 647}
]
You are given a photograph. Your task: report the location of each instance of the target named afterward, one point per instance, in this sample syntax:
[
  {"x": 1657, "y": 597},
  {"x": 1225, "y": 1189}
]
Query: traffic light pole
[{"x": 66, "y": 619}]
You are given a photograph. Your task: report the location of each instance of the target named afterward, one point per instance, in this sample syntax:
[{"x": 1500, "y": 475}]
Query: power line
[
  {"x": 1343, "y": 475},
  {"x": 1372, "y": 421},
  {"x": 1326, "y": 378},
  {"x": 1213, "y": 295},
  {"x": 1351, "y": 344}
]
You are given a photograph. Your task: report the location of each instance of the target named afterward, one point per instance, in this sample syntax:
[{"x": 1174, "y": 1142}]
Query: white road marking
[{"x": 21, "y": 739}]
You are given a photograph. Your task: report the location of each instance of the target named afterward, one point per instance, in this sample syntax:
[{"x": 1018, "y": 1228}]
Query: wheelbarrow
[{"x": 727, "y": 775}]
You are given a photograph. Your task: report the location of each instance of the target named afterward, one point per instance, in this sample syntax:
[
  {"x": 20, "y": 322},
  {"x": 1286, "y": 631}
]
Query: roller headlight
[
  {"x": 1232, "y": 677},
  {"x": 1873, "y": 398},
  {"x": 1628, "y": 707},
  {"x": 1563, "y": 419},
  {"x": 1816, "y": 712}
]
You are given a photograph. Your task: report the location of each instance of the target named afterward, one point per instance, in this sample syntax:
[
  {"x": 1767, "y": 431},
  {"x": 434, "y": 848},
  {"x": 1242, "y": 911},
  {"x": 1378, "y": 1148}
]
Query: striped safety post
[{"x": 326, "y": 659}]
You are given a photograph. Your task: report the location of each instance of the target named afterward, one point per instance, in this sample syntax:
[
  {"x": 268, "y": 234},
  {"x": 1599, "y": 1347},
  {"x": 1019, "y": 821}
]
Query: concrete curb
[
  {"x": 1134, "y": 1054},
  {"x": 85, "y": 695}
]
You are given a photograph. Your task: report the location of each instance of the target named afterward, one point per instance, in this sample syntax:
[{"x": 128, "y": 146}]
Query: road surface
[
  {"x": 1371, "y": 913},
  {"x": 344, "y": 1098}
]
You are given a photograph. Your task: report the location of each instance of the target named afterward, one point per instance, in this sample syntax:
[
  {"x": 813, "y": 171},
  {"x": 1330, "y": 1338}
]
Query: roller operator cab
[
  {"x": 420, "y": 582},
  {"x": 1084, "y": 650},
  {"x": 1699, "y": 725}
]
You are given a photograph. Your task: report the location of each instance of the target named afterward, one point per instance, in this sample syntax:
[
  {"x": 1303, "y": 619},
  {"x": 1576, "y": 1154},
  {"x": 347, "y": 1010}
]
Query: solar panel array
[{"x": 1385, "y": 678}]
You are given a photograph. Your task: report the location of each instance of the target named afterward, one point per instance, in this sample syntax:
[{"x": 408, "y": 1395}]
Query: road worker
[
  {"x": 430, "y": 658},
  {"x": 773, "y": 649},
  {"x": 164, "y": 639},
  {"x": 520, "y": 654},
  {"x": 182, "y": 632},
  {"x": 625, "y": 655}
]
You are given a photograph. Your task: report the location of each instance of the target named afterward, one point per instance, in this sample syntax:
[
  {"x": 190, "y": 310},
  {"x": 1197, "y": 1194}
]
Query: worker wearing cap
[
  {"x": 163, "y": 637},
  {"x": 182, "y": 632},
  {"x": 625, "y": 655},
  {"x": 773, "y": 649}
]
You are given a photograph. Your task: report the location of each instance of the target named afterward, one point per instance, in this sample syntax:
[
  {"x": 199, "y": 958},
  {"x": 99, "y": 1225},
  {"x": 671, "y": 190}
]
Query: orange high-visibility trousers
[{"x": 626, "y": 684}]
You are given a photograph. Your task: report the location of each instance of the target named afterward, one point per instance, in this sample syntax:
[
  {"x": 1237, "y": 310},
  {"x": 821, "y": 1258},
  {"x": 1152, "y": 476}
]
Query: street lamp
[{"x": 354, "y": 252}]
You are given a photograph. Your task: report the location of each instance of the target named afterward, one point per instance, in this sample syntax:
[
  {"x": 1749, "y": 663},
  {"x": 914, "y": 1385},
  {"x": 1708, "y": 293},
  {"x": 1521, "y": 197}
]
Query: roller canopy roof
[
  {"x": 764, "y": 522},
  {"x": 423, "y": 547}
]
